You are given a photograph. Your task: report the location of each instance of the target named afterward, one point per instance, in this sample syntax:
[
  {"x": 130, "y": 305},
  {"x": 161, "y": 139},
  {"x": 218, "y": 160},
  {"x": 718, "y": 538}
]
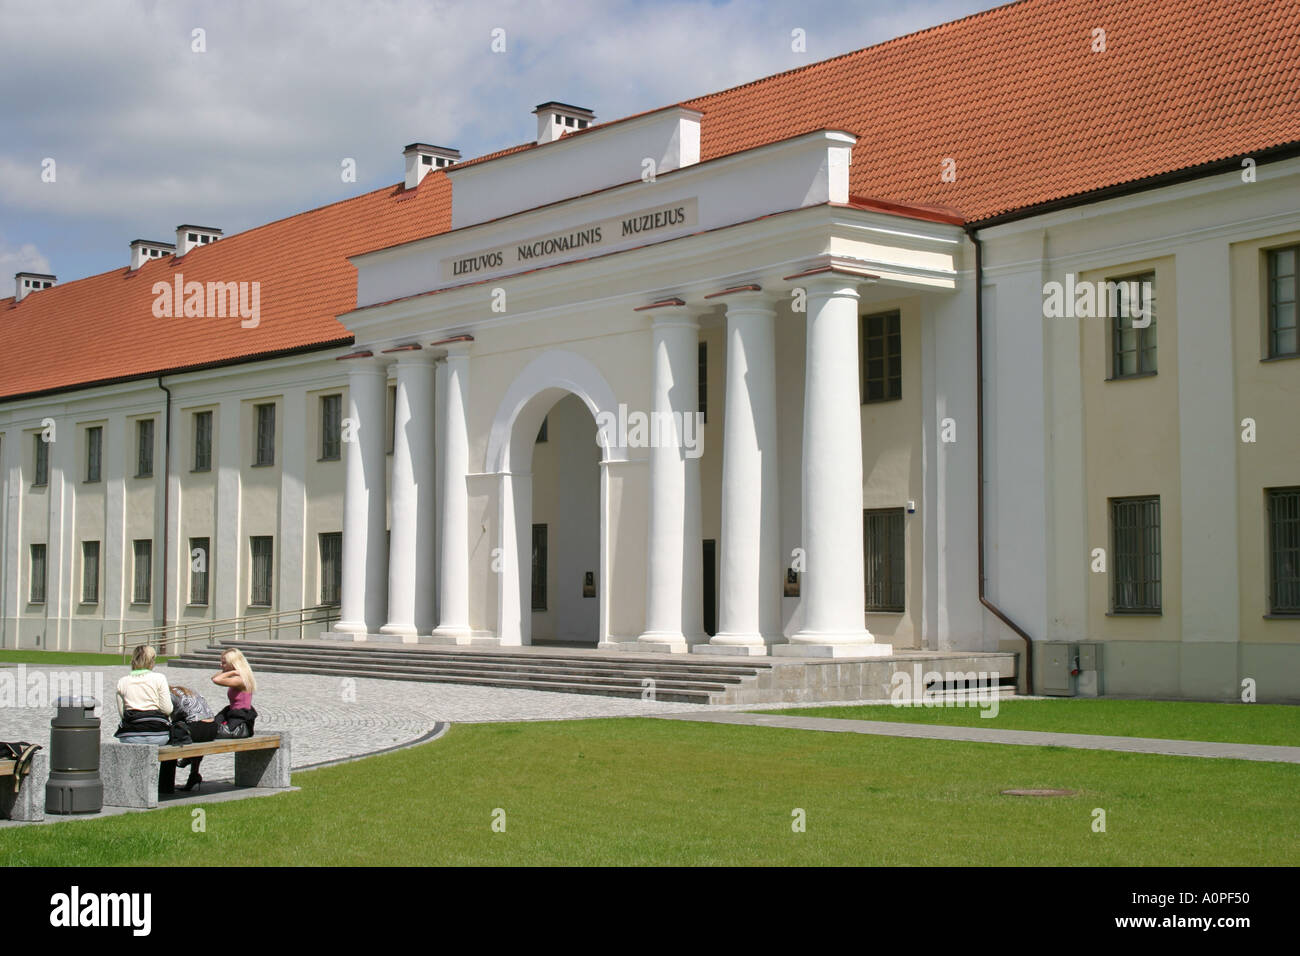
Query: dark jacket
[
  {"x": 235, "y": 722},
  {"x": 139, "y": 722}
]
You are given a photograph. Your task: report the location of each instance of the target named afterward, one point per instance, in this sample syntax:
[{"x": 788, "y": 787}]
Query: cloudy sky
[{"x": 145, "y": 131}]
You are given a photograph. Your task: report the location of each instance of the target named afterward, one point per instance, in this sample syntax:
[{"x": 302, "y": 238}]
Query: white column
[
  {"x": 363, "y": 597},
  {"x": 674, "y": 602},
  {"x": 453, "y": 566},
  {"x": 749, "y": 596},
  {"x": 412, "y": 543},
  {"x": 832, "y": 585}
]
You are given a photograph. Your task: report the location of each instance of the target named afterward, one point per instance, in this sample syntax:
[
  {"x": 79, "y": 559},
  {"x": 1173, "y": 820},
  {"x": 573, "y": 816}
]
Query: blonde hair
[
  {"x": 142, "y": 658},
  {"x": 233, "y": 659}
]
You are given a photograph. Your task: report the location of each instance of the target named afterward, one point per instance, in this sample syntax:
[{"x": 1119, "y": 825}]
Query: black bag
[
  {"x": 235, "y": 723},
  {"x": 21, "y": 754},
  {"x": 180, "y": 734}
]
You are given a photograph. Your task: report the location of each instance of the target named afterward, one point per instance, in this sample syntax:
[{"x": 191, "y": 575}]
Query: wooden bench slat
[
  {"x": 7, "y": 768},
  {"x": 257, "y": 742}
]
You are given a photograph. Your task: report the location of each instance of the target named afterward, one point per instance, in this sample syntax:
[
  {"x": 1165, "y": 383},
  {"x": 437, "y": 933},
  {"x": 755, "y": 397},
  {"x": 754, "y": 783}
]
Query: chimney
[
  {"x": 143, "y": 250},
  {"x": 25, "y": 283},
  {"x": 422, "y": 159},
  {"x": 556, "y": 119},
  {"x": 187, "y": 237}
]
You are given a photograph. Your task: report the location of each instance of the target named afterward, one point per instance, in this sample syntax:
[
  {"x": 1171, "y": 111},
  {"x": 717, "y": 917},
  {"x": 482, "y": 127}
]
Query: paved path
[
  {"x": 331, "y": 718},
  {"x": 1028, "y": 738}
]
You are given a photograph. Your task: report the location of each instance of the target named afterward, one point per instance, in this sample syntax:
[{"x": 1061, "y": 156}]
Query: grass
[
  {"x": 64, "y": 658},
  {"x": 1167, "y": 720},
  {"x": 646, "y": 791}
]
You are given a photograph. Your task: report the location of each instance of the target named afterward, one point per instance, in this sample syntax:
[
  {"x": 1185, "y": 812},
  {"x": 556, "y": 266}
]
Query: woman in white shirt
[{"x": 144, "y": 702}]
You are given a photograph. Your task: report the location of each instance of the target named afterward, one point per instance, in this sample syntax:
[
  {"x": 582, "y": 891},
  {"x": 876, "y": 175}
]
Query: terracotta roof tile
[{"x": 1014, "y": 95}]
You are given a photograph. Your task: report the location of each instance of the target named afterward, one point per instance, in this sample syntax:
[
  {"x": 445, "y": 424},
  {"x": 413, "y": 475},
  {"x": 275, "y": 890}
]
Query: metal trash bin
[{"x": 74, "y": 785}]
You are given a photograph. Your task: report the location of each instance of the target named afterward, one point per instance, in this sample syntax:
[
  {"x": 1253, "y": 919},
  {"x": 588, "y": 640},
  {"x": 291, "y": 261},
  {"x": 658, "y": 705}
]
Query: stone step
[
  {"x": 661, "y": 693},
  {"x": 398, "y": 671}
]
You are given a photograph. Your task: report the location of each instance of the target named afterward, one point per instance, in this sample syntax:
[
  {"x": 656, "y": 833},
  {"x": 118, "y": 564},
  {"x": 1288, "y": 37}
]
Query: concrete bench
[
  {"x": 130, "y": 771},
  {"x": 28, "y": 804}
]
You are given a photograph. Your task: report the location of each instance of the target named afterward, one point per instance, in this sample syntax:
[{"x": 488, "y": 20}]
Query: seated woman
[
  {"x": 236, "y": 719},
  {"x": 189, "y": 707},
  {"x": 143, "y": 702}
]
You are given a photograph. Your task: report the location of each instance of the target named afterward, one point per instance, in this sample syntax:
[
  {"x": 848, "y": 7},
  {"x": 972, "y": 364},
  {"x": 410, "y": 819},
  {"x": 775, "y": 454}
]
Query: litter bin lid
[{"x": 77, "y": 703}]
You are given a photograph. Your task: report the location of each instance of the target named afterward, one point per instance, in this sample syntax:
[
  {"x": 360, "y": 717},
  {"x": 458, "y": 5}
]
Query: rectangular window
[
  {"x": 37, "y": 594},
  {"x": 200, "y": 561},
  {"x": 882, "y": 358},
  {"x": 1135, "y": 547},
  {"x": 704, "y": 382},
  {"x": 142, "y": 593},
  {"x": 263, "y": 570},
  {"x": 90, "y": 572},
  {"x": 1131, "y": 303},
  {"x": 882, "y": 549},
  {"x": 391, "y": 412},
  {"x": 94, "y": 452},
  {"x": 264, "y": 453},
  {"x": 1284, "y": 550},
  {"x": 144, "y": 448},
  {"x": 331, "y": 567},
  {"x": 539, "y": 567},
  {"x": 42, "y": 475},
  {"x": 331, "y": 427},
  {"x": 203, "y": 441},
  {"x": 1282, "y": 337}
]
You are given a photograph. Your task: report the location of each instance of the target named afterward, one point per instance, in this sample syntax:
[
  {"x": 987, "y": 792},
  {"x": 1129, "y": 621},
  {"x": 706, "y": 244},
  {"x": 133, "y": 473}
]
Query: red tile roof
[{"x": 1015, "y": 96}]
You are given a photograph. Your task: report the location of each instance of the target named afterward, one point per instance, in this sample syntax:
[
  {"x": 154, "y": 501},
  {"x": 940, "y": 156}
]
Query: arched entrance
[{"x": 567, "y": 392}]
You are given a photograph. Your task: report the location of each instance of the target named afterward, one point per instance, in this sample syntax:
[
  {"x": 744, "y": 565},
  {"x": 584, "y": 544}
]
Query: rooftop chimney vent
[
  {"x": 25, "y": 283},
  {"x": 422, "y": 159},
  {"x": 556, "y": 119},
  {"x": 188, "y": 237},
  {"x": 144, "y": 250}
]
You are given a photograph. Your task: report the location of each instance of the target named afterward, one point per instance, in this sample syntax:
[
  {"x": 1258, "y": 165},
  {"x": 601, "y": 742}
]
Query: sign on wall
[{"x": 574, "y": 243}]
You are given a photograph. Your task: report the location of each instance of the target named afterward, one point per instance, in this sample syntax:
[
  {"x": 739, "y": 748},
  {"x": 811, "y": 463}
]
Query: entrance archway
[{"x": 567, "y": 382}]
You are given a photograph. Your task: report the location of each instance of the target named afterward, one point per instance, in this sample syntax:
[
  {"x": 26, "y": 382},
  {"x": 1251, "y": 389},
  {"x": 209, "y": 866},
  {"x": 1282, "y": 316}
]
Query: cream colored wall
[
  {"x": 259, "y": 498},
  {"x": 324, "y": 485},
  {"x": 89, "y": 519},
  {"x": 1267, "y": 391},
  {"x": 1131, "y": 449},
  {"x": 891, "y": 468},
  {"x": 198, "y": 506}
]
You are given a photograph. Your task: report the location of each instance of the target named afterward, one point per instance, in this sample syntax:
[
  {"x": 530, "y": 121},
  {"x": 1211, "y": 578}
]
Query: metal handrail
[{"x": 169, "y": 638}]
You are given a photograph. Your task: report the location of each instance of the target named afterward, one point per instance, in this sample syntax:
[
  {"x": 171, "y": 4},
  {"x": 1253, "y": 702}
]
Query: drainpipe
[
  {"x": 972, "y": 232},
  {"x": 167, "y": 489}
]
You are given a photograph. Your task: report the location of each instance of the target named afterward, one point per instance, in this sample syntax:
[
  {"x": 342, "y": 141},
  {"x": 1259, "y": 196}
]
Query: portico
[{"x": 522, "y": 313}]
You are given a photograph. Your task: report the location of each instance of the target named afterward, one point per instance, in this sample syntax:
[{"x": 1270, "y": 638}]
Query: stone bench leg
[
  {"x": 28, "y": 804},
  {"x": 264, "y": 768},
  {"x": 130, "y": 774}
]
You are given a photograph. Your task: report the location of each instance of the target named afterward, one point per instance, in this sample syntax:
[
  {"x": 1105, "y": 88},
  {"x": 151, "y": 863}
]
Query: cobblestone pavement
[{"x": 330, "y": 717}]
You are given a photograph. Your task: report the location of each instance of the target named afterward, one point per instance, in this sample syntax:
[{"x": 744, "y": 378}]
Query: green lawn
[
  {"x": 1168, "y": 720},
  {"x": 645, "y": 791},
  {"x": 63, "y": 658}
]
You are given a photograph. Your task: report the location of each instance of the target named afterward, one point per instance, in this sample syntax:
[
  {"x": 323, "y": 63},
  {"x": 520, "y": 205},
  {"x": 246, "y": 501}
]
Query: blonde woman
[
  {"x": 144, "y": 702},
  {"x": 236, "y": 719}
]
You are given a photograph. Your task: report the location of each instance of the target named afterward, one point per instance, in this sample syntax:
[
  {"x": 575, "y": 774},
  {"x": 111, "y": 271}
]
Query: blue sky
[{"x": 147, "y": 133}]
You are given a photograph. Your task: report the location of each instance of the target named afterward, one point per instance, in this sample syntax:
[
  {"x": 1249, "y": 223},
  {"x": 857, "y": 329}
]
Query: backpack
[{"x": 21, "y": 753}]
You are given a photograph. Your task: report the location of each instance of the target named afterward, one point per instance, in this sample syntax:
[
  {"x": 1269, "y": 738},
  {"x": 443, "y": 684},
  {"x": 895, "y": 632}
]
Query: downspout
[
  {"x": 167, "y": 494},
  {"x": 971, "y": 231}
]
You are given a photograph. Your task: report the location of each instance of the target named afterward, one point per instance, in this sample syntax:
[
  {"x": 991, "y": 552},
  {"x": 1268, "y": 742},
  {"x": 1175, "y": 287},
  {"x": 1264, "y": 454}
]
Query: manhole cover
[{"x": 1038, "y": 793}]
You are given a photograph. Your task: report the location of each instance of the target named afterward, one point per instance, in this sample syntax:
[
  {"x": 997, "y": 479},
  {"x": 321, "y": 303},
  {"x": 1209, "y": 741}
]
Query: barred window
[
  {"x": 331, "y": 427},
  {"x": 37, "y": 592},
  {"x": 331, "y": 567},
  {"x": 882, "y": 358},
  {"x": 264, "y": 453},
  {"x": 142, "y": 593},
  {"x": 94, "y": 452},
  {"x": 1284, "y": 550},
  {"x": 539, "y": 567},
  {"x": 203, "y": 441},
  {"x": 42, "y": 469},
  {"x": 882, "y": 549},
  {"x": 1132, "y": 307},
  {"x": 200, "y": 562},
  {"x": 1135, "y": 545},
  {"x": 1282, "y": 337},
  {"x": 90, "y": 572},
  {"x": 144, "y": 448},
  {"x": 263, "y": 570}
]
